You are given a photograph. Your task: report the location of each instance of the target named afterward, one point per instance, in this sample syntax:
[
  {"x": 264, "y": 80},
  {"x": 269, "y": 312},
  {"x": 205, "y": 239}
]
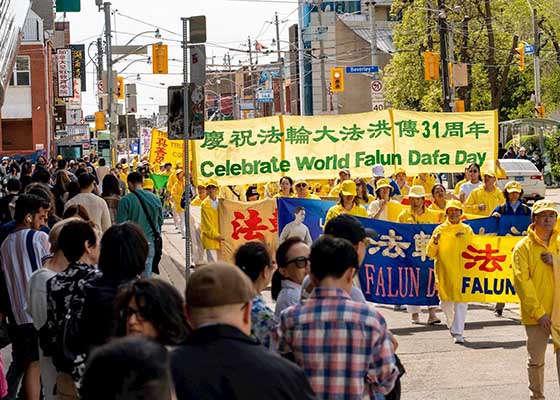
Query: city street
[{"x": 491, "y": 364}]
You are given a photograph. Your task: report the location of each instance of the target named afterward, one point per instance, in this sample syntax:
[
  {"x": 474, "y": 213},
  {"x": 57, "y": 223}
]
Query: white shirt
[
  {"x": 289, "y": 296},
  {"x": 468, "y": 187},
  {"x": 95, "y": 206}
]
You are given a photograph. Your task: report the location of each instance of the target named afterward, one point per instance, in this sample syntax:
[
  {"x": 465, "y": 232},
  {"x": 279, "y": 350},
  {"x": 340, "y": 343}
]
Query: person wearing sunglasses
[
  {"x": 152, "y": 308},
  {"x": 302, "y": 191},
  {"x": 473, "y": 183},
  {"x": 292, "y": 258}
]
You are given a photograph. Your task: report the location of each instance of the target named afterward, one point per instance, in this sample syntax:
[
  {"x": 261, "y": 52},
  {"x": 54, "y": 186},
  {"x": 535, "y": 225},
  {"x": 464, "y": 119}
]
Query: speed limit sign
[{"x": 377, "y": 100}]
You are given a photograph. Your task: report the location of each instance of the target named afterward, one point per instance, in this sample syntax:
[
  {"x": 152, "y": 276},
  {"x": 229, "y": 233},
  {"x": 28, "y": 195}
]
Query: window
[{"x": 22, "y": 72}]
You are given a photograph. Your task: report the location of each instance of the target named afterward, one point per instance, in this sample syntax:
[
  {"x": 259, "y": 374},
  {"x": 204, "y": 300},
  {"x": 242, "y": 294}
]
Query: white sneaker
[{"x": 458, "y": 339}]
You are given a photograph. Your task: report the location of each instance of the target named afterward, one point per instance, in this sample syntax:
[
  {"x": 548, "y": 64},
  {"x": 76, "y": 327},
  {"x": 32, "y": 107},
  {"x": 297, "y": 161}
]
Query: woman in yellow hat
[
  {"x": 485, "y": 198},
  {"x": 401, "y": 180},
  {"x": 378, "y": 208},
  {"x": 348, "y": 203}
]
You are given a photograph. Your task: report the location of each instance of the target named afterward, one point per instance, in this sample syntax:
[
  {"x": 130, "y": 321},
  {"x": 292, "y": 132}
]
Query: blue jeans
[{"x": 149, "y": 260}]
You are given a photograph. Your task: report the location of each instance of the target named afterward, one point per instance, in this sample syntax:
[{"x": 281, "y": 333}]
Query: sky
[{"x": 229, "y": 24}]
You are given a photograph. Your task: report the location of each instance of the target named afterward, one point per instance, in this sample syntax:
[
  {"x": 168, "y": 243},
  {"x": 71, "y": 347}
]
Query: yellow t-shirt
[
  {"x": 362, "y": 202},
  {"x": 458, "y": 186},
  {"x": 335, "y": 211},
  {"x": 409, "y": 217},
  {"x": 428, "y": 184},
  {"x": 480, "y": 196}
]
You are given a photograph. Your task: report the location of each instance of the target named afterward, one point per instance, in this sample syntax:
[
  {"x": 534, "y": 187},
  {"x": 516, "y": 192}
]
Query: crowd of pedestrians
[{"x": 85, "y": 318}]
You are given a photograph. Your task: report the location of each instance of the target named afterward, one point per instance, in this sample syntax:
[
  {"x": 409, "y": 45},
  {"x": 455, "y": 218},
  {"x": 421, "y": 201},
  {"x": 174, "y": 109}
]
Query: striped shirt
[
  {"x": 21, "y": 255},
  {"x": 343, "y": 346}
]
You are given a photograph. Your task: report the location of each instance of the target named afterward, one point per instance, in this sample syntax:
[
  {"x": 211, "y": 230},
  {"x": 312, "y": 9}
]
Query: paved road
[{"x": 491, "y": 364}]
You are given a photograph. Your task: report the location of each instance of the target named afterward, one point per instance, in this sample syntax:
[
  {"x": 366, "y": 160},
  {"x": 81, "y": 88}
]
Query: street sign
[
  {"x": 129, "y": 50},
  {"x": 198, "y": 64},
  {"x": 529, "y": 49},
  {"x": 175, "y": 114},
  {"x": 377, "y": 99},
  {"x": 363, "y": 69},
  {"x": 197, "y": 29},
  {"x": 265, "y": 96},
  {"x": 315, "y": 33},
  {"x": 196, "y": 111}
]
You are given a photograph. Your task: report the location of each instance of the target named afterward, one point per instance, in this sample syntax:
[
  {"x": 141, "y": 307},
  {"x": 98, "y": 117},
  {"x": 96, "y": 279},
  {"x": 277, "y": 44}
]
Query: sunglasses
[
  {"x": 300, "y": 262},
  {"x": 129, "y": 312},
  {"x": 301, "y": 185},
  {"x": 472, "y": 171}
]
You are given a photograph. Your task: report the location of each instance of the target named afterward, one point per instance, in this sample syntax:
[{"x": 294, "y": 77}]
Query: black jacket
[{"x": 220, "y": 362}]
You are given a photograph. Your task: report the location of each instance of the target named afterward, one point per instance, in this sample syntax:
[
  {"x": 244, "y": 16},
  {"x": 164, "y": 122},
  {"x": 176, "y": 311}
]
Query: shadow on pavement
[
  {"x": 442, "y": 327},
  {"x": 514, "y": 344}
]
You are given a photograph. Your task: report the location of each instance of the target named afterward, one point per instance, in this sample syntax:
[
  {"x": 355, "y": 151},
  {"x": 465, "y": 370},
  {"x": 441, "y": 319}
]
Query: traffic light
[
  {"x": 539, "y": 111},
  {"x": 159, "y": 59},
  {"x": 520, "y": 50},
  {"x": 120, "y": 87},
  {"x": 99, "y": 121},
  {"x": 337, "y": 79},
  {"x": 431, "y": 66}
]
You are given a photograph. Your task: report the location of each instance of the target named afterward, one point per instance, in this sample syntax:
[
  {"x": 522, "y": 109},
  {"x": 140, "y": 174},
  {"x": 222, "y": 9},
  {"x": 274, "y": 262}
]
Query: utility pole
[
  {"x": 451, "y": 56},
  {"x": 301, "y": 63},
  {"x": 442, "y": 27},
  {"x": 233, "y": 89},
  {"x": 280, "y": 66},
  {"x": 186, "y": 159},
  {"x": 253, "y": 89},
  {"x": 536, "y": 58},
  {"x": 322, "y": 58},
  {"x": 109, "y": 54},
  {"x": 373, "y": 28},
  {"x": 100, "y": 67}
]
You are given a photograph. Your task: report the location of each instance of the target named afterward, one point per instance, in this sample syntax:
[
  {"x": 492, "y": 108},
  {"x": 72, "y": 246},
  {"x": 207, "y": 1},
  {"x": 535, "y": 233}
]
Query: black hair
[
  {"x": 436, "y": 186},
  {"x": 282, "y": 261},
  {"x": 13, "y": 185},
  {"x": 355, "y": 200},
  {"x": 139, "y": 371},
  {"x": 160, "y": 303},
  {"x": 28, "y": 203},
  {"x": 73, "y": 237},
  {"x": 332, "y": 257},
  {"x": 102, "y": 162},
  {"x": 252, "y": 258},
  {"x": 506, "y": 195},
  {"x": 110, "y": 186},
  {"x": 85, "y": 180},
  {"x": 289, "y": 180},
  {"x": 298, "y": 209},
  {"x": 26, "y": 168},
  {"x": 61, "y": 164},
  {"x": 124, "y": 250},
  {"x": 41, "y": 175},
  {"x": 135, "y": 178}
]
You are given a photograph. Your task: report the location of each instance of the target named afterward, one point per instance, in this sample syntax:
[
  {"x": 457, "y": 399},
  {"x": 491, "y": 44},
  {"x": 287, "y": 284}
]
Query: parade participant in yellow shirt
[
  {"x": 418, "y": 214},
  {"x": 400, "y": 178},
  {"x": 362, "y": 194},
  {"x": 210, "y": 225},
  {"x": 201, "y": 190},
  {"x": 348, "y": 203},
  {"x": 134, "y": 162},
  {"x": 485, "y": 198},
  {"x": 343, "y": 175},
  {"x": 446, "y": 237},
  {"x": 460, "y": 183},
  {"x": 439, "y": 202},
  {"x": 176, "y": 193},
  {"x": 124, "y": 172},
  {"x": 425, "y": 179},
  {"x": 302, "y": 191},
  {"x": 286, "y": 187},
  {"x": 534, "y": 261},
  {"x": 378, "y": 207}
]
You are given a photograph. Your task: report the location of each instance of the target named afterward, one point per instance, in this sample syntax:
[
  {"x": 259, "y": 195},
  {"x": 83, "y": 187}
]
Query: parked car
[{"x": 524, "y": 172}]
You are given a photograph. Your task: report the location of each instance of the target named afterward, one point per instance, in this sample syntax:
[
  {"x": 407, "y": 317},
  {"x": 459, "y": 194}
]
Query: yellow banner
[
  {"x": 444, "y": 142},
  {"x": 240, "y": 152},
  {"x": 244, "y": 222},
  {"x": 265, "y": 149},
  {"x": 163, "y": 150},
  {"x": 479, "y": 271},
  {"x": 319, "y": 147}
]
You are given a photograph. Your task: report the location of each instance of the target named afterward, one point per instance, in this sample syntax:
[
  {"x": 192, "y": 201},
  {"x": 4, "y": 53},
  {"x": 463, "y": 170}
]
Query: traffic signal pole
[
  {"x": 109, "y": 54},
  {"x": 442, "y": 27},
  {"x": 186, "y": 164}
]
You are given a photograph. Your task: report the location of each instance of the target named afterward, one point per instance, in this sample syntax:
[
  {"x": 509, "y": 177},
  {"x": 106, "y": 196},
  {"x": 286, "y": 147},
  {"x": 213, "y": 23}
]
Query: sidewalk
[{"x": 491, "y": 364}]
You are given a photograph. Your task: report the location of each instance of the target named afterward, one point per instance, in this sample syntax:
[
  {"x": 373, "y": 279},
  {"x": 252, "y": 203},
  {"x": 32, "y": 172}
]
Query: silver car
[{"x": 524, "y": 172}]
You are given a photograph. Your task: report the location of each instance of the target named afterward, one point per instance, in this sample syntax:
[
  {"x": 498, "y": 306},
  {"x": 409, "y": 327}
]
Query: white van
[{"x": 524, "y": 172}]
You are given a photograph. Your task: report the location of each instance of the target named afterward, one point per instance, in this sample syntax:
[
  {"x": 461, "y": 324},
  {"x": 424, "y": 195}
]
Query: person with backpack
[{"x": 513, "y": 193}]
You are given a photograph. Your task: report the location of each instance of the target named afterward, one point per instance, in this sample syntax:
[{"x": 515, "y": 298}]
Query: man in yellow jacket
[
  {"x": 450, "y": 236},
  {"x": 209, "y": 224},
  {"x": 533, "y": 279},
  {"x": 485, "y": 198}
]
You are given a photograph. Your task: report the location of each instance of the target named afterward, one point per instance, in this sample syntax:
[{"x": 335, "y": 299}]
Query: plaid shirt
[{"x": 343, "y": 346}]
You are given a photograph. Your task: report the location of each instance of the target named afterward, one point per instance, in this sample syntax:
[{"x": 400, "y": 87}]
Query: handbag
[{"x": 158, "y": 242}]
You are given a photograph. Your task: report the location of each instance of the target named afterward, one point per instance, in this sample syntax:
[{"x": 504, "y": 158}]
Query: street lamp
[{"x": 156, "y": 33}]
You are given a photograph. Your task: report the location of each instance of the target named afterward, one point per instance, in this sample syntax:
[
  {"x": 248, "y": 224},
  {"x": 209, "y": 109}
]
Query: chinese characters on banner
[
  {"x": 163, "y": 150},
  {"x": 64, "y": 71},
  {"x": 265, "y": 149},
  {"x": 397, "y": 269},
  {"x": 245, "y": 222}
]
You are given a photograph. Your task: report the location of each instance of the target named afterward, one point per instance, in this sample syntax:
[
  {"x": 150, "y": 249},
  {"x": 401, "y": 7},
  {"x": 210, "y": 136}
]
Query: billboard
[{"x": 64, "y": 70}]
